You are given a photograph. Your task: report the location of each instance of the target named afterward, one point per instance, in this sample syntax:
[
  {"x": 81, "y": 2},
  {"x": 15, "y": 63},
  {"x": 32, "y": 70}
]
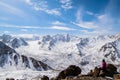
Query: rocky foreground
[{"x": 74, "y": 73}]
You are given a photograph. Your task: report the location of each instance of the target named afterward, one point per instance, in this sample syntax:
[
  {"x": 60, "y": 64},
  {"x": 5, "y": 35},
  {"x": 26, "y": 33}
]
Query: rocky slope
[
  {"x": 14, "y": 42},
  {"x": 10, "y": 59}
]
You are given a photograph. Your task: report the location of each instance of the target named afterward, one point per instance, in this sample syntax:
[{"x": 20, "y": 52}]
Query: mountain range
[{"x": 56, "y": 52}]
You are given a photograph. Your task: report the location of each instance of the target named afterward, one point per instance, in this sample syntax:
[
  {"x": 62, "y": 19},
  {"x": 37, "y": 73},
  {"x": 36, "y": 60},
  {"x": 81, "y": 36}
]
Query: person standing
[{"x": 103, "y": 65}]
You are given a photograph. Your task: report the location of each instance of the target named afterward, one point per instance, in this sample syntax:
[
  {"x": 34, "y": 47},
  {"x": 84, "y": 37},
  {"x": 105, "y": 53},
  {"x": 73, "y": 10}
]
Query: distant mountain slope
[
  {"x": 12, "y": 41},
  {"x": 10, "y": 59},
  {"x": 111, "y": 49}
]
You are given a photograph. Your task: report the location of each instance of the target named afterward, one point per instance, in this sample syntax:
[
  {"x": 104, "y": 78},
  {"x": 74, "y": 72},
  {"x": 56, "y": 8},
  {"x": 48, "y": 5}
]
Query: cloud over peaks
[
  {"x": 66, "y": 4},
  {"x": 62, "y": 28},
  {"x": 42, "y": 5}
]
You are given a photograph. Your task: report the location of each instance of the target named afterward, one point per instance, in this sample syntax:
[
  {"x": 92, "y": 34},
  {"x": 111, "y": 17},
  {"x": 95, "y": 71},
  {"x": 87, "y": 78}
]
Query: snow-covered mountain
[
  {"x": 49, "y": 41},
  {"x": 112, "y": 49},
  {"x": 14, "y": 42},
  {"x": 10, "y": 59},
  {"x": 59, "y": 51}
]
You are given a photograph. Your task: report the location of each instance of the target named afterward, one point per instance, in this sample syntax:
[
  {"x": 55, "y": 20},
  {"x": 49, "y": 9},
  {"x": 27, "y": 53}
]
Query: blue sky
[{"x": 79, "y": 17}]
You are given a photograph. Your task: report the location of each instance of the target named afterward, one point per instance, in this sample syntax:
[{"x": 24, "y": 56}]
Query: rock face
[
  {"x": 96, "y": 72},
  {"x": 25, "y": 61},
  {"x": 116, "y": 76},
  {"x": 111, "y": 70},
  {"x": 7, "y": 54},
  {"x": 50, "y": 41},
  {"x": 9, "y": 57},
  {"x": 6, "y": 38},
  {"x": 111, "y": 49},
  {"x": 90, "y": 78},
  {"x": 45, "y": 78},
  {"x": 39, "y": 65},
  {"x": 15, "y": 43},
  {"x": 72, "y": 70}
]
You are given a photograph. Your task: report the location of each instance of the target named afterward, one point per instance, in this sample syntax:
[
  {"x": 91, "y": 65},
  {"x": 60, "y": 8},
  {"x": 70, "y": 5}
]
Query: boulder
[
  {"x": 117, "y": 77},
  {"x": 61, "y": 75},
  {"x": 96, "y": 72},
  {"x": 7, "y": 78},
  {"x": 110, "y": 70},
  {"x": 53, "y": 78},
  {"x": 102, "y": 73},
  {"x": 10, "y": 79},
  {"x": 45, "y": 78},
  {"x": 72, "y": 70},
  {"x": 90, "y": 73}
]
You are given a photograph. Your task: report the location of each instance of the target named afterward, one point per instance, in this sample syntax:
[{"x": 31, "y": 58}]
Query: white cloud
[
  {"x": 28, "y": 2},
  {"x": 101, "y": 16},
  {"x": 24, "y": 30},
  {"x": 90, "y": 32},
  {"x": 66, "y": 4},
  {"x": 12, "y": 9},
  {"x": 58, "y": 23},
  {"x": 87, "y": 25},
  {"x": 91, "y": 13},
  {"x": 95, "y": 32},
  {"x": 42, "y": 5},
  {"x": 64, "y": 1},
  {"x": 53, "y": 11},
  {"x": 106, "y": 20},
  {"x": 83, "y": 24},
  {"x": 25, "y": 35},
  {"x": 16, "y": 26},
  {"x": 48, "y": 11},
  {"x": 62, "y": 28},
  {"x": 6, "y": 32},
  {"x": 79, "y": 15},
  {"x": 102, "y": 21},
  {"x": 102, "y": 24}
]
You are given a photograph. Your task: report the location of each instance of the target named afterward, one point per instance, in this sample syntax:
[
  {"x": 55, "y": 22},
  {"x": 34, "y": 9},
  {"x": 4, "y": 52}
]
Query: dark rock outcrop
[
  {"x": 17, "y": 42},
  {"x": 111, "y": 70},
  {"x": 25, "y": 61},
  {"x": 5, "y": 53},
  {"x": 39, "y": 65},
  {"x": 6, "y": 38},
  {"x": 117, "y": 77},
  {"x": 90, "y": 73},
  {"x": 111, "y": 49},
  {"x": 96, "y": 72},
  {"x": 72, "y": 70},
  {"x": 10, "y": 79},
  {"x": 45, "y": 78}
]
